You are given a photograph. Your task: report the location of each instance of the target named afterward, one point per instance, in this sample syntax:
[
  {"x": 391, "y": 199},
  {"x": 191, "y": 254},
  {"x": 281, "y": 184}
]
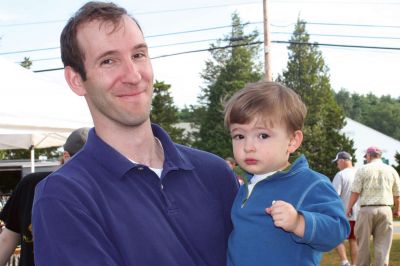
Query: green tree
[
  {"x": 228, "y": 71},
  {"x": 164, "y": 111},
  {"x": 307, "y": 74},
  {"x": 186, "y": 114},
  {"x": 49, "y": 153},
  {"x": 343, "y": 98},
  {"x": 381, "y": 114},
  {"x": 26, "y": 63}
]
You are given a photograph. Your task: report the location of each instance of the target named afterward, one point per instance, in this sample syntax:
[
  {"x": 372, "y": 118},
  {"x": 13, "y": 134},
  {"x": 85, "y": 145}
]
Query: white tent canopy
[
  {"x": 365, "y": 137},
  {"x": 34, "y": 112}
]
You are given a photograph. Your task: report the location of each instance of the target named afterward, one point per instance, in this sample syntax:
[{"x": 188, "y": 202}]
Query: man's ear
[
  {"x": 66, "y": 156},
  {"x": 295, "y": 141},
  {"x": 74, "y": 81}
]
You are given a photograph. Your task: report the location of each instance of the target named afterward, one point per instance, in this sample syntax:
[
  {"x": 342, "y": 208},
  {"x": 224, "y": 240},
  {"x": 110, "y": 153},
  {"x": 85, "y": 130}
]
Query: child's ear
[
  {"x": 74, "y": 81},
  {"x": 295, "y": 141}
]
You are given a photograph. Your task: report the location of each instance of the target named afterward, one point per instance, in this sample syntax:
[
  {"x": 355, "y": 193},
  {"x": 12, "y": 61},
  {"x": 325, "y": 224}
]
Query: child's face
[{"x": 259, "y": 148}]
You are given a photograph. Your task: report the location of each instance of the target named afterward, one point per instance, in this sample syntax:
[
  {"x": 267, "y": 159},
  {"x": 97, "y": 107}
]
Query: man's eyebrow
[
  {"x": 140, "y": 46},
  {"x": 106, "y": 53}
]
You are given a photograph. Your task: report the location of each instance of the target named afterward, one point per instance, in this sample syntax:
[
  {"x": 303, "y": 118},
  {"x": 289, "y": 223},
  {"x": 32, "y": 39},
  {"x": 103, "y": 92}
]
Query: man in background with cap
[
  {"x": 378, "y": 187},
  {"x": 75, "y": 142},
  {"x": 17, "y": 211},
  {"x": 342, "y": 183}
]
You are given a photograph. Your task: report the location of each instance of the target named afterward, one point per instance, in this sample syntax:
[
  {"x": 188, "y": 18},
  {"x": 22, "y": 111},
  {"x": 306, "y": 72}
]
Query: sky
[{"x": 32, "y": 28}]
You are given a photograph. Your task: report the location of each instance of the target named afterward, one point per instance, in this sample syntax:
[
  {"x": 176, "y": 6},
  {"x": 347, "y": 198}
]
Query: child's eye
[
  {"x": 237, "y": 137},
  {"x": 263, "y": 136}
]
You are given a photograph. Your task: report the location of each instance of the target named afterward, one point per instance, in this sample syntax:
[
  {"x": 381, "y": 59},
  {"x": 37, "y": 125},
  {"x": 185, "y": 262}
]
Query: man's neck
[{"x": 135, "y": 143}]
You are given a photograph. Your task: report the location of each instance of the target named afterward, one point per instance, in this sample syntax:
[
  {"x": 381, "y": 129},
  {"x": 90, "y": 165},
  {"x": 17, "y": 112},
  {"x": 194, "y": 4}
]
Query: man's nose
[{"x": 131, "y": 72}]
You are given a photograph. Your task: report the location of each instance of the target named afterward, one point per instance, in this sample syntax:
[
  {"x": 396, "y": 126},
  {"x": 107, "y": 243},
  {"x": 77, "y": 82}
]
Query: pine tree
[
  {"x": 307, "y": 74},
  {"x": 228, "y": 71},
  {"x": 164, "y": 111},
  {"x": 27, "y": 63}
]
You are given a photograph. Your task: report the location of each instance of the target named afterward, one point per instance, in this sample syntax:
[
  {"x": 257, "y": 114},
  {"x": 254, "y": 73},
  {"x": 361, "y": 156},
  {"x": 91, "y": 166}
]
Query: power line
[
  {"x": 378, "y": 2},
  {"x": 31, "y": 50},
  {"x": 193, "y": 8},
  {"x": 212, "y": 40},
  {"x": 255, "y": 43},
  {"x": 136, "y": 14},
  {"x": 208, "y": 49},
  {"x": 174, "y": 54},
  {"x": 196, "y": 30},
  {"x": 218, "y": 27},
  {"x": 48, "y": 70},
  {"x": 31, "y": 23},
  {"x": 362, "y": 2},
  {"x": 341, "y": 45},
  {"x": 355, "y": 25}
]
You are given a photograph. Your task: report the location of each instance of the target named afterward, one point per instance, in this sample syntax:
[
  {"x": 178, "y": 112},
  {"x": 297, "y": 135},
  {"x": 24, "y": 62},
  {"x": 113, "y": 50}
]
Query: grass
[{"x": 332, "y": 258}]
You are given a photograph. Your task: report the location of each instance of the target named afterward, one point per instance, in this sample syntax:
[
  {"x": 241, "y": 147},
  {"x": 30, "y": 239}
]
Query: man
[
  {"x": 378, "y": 187},
  {"x": 17, "y": 212},
  {"x": 342, "y": 183},
  {"x": 131, "y": 196},
  {"x": 233, "y": 165}
]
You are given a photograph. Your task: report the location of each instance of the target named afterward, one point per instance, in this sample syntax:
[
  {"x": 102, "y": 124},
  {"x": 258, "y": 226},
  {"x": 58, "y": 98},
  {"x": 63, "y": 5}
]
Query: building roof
[{"x": 365, "y": 137}]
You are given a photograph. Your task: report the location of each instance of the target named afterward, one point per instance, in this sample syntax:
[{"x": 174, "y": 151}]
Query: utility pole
[{"x": 267, "y": 44}]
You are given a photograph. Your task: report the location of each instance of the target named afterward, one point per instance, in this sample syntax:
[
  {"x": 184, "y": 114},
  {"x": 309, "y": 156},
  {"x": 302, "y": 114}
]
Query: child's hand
[{"x": 286, "y": 216}]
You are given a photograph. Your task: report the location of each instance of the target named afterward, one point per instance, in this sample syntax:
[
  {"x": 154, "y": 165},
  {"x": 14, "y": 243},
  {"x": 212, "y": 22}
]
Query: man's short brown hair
[
  {"x": 271, "y": 100},
  {"x": 71, "y": 54}
]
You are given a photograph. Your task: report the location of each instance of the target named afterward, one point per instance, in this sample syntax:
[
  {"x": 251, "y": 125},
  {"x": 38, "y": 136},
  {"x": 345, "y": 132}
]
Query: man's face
[
  {"x": 341, "y": 164},
  {"x": 119, "y": 84},
  {"x": 367, "y": 157}
]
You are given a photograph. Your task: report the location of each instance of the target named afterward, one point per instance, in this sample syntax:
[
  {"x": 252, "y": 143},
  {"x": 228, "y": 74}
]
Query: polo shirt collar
[{"x": 118, "y": 164}]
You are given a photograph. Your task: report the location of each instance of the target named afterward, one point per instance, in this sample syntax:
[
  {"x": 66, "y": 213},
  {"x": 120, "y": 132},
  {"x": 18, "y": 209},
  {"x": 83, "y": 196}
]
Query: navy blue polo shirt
[{"x": 102, "y": 209}]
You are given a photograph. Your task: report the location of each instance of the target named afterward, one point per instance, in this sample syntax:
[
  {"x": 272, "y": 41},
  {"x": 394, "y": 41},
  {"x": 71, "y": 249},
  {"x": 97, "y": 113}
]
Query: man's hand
[
  {"x": 286, "y": 217},
  {"x": 349, "y": 211}
]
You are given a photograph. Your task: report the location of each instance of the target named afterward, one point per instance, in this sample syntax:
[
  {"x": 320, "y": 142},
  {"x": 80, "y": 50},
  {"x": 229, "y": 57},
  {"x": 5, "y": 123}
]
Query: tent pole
[{"x": 32, "y": 148}]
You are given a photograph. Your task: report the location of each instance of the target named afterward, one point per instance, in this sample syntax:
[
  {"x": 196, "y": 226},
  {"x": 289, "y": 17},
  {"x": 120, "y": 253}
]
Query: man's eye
[
  {"x": 139, "y": 55},
  {"x": 237, "y": 137},
  {"x": 107, "y": 62},
  {"x": 263, "y": 136}
]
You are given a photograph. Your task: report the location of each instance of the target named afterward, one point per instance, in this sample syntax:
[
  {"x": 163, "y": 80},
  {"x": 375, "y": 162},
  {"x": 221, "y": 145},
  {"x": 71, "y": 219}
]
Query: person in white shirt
[{"x": 342, "y": 183}]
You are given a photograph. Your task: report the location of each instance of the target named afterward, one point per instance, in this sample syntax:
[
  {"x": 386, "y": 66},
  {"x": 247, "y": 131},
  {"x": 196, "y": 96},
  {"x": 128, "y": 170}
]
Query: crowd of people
[
  {"x": 371, "y": 197},
  {"x": 133, "y": 196}
]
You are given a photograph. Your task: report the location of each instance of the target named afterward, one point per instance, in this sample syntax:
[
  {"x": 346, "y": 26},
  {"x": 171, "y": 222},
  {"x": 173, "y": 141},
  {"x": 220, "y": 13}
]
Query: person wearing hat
[
  {"x": 17, "y": 212},
  {"x": 342, "y": 183},
  {"x": 75, "y": 142},
  {"x": 377, "y": 186}
]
